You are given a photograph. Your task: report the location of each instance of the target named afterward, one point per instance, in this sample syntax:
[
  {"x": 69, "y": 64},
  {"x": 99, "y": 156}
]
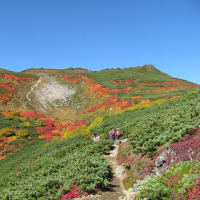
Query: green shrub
[
  {"x": 47, "y": 173},
  {"x": 155, "y": 189},
  {"x": 160, "y": 125},
  {"x": 127, "y": 166}
]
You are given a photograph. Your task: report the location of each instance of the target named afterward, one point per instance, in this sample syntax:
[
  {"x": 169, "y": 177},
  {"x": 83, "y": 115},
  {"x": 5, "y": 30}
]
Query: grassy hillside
[
  {"x": 41, "y": 153},
  {"x": 172, "y": 126}
]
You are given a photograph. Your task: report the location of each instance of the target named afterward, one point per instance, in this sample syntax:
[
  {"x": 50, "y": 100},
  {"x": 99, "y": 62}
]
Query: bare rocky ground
[
  {"x": 116, "y": 191},
  {"x": 47, "y": 94}
]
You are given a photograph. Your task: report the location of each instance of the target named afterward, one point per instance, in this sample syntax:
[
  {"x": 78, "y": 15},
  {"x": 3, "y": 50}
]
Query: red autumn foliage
[
  {"x": 194, "y": 193},
  {"x": 48, "y": 130},
  {"x": 31, "y": 114},
  {"x": 184, "y": 151},
  {"x": 11, "y": 86},
  {"x": 126, "y": 106},
  {"x": 76, "y": 124},
  {"x": 5, "y": 98},
  {"x": 48, "y": 123},
  {"x": 79, "y": 123},
  {"x": 187, "y": 149},
  {"x": 8, "y": 86},
  {"x": 72, "y": 127},
  {"x": 91, "y": 110},
  {"x": 73, "y": 193},
  {"x": 13, "y": 77}
]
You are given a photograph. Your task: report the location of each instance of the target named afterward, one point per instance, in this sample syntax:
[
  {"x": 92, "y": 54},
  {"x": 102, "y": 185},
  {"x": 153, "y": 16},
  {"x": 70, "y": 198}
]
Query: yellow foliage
[
  {"x": 159, "y": 101},
  {"x": 12, "y": 138},
  {"x": 86, "y": 129},
  {"x": 145, "y": 102},
  {"x": 138, "y": 106},
  {"x": 21, "y": 133},
  {"x": 46, "y": 144},
  {"x": 12, "y": 114},
  {"x": 67, "y": 133},
  {"x": 25, "y": 124},
  {"x": 22, "y": 119},
  {"x": 81, "y": 130},
  {"x": 5, "y": 131}
]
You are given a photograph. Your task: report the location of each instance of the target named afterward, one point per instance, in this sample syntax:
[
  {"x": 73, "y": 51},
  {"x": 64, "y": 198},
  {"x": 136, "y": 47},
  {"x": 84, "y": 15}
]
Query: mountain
[{"x": 48, "y": 117}]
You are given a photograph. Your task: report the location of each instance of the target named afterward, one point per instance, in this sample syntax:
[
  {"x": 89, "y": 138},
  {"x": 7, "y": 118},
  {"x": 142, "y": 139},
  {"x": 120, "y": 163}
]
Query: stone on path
[{"x": 120, "y": 170}]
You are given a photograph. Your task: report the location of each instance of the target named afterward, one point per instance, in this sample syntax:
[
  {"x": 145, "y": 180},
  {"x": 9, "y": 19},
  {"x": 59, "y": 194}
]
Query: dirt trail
[{"x": 116, "y": 191}]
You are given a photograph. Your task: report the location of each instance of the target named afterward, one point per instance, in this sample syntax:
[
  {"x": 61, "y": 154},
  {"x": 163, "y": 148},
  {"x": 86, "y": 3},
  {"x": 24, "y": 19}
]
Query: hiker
[
  {"x": 96, "y": 138},
  {"x": 118, "y": 134},
  {"x": 112, "y": 134}
]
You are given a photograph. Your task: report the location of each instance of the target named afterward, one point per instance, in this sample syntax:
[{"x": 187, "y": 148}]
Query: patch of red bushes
[
  {"x": 194, "y": 193},
  {"x": 13, "y": 77},
  {"x": 187, "y": 150},
  {"x": 76, "y": 124},
  {"x": 8, "y": 86},
  {"x": 91, "y": 110},
  {"x": 11, "y": 87},
  {"x": 27, "y": 113},
  {"x": 74, "y": 192}
]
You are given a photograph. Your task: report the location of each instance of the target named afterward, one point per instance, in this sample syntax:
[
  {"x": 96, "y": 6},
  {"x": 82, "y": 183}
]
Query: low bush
[
  {"x": 155, "y": 189},
  {"x": 51, "y": 172}
]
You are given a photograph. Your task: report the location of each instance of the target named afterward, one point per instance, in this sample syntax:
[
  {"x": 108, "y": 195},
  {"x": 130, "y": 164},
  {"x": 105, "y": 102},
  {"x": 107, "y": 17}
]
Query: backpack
[
  {"x": 118, "y": 132},
  {"x": 112, "y": 133}
]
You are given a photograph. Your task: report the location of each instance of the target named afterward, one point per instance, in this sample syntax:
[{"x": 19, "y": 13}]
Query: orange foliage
[
  {"x": 2, "y": 157},
  {"x": 145, "y": 101},
  {"x": 136, "y": 98},
  {"x": 13, "y": 77},
  {"x": 27, "y": 113}
]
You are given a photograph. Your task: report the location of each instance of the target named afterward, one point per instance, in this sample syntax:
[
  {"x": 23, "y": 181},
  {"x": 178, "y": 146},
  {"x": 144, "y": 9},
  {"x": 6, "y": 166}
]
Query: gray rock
[
  {"x": 120, "y": 170},
  {"x": 159, "y": 162},
  {"x": 137, "y": 185}
]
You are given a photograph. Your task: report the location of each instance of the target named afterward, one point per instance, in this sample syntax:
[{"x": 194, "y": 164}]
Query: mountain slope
[{"x": 49, "y": 120}]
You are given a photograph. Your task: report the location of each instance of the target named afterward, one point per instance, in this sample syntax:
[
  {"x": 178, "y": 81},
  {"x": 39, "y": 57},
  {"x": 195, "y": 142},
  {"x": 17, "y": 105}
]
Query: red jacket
[{"x": 118, "y": 132}]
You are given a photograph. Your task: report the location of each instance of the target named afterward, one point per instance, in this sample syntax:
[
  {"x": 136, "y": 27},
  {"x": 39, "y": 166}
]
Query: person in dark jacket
[{"x": 118, "y": 134}]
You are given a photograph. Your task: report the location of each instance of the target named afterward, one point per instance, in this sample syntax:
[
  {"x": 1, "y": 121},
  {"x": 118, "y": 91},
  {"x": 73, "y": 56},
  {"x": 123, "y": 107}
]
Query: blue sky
[{"x": 97, "y": 34}]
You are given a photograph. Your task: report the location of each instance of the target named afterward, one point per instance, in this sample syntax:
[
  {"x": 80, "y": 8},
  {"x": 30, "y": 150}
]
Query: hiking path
[{"x": 116, "y": 189}]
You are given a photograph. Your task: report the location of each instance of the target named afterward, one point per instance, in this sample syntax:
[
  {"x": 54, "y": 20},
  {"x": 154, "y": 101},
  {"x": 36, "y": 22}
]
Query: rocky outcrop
[{"x": 48, "y": 94}]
